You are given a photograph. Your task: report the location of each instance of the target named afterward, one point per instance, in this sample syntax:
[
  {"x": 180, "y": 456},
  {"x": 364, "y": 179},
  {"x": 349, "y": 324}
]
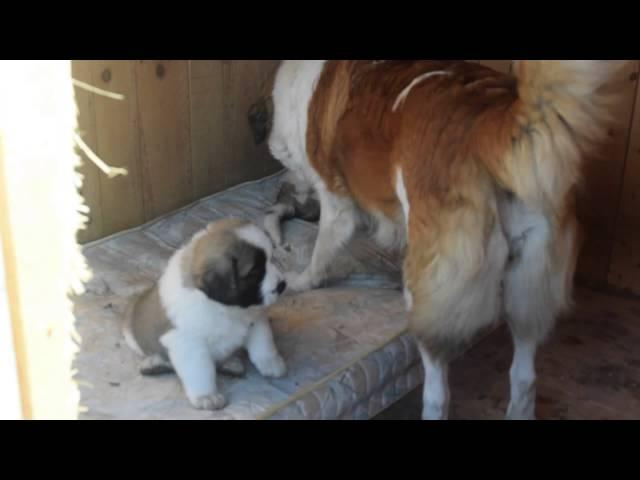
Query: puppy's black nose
[{"x": 281, "y": 286}]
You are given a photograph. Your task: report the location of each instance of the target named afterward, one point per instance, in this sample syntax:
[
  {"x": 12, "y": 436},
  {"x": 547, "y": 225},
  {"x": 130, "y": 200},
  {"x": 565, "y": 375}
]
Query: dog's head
[
  {"x": 260, "y": 114},
  {"x": 260, "y": 118},
  {"x": 232, "y": 264}
]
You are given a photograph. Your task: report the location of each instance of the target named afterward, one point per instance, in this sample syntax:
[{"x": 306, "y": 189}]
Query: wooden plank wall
[
  {"x": 182, "y": 133},
  {"x": 600, "y": 194},
  {"x": 623, "y": 270}
]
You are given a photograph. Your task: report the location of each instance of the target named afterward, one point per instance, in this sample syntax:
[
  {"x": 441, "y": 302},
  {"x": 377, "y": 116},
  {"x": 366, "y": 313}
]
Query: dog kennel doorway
[{"x": 179, "y": 129}]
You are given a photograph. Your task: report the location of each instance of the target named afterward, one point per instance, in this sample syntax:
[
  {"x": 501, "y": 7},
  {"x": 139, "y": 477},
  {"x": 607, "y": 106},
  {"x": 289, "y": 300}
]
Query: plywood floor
[{"x": 588, "y": 370}]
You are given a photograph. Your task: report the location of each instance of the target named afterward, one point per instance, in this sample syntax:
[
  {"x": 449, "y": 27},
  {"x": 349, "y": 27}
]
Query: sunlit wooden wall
[{"x": 182, "y": 133}]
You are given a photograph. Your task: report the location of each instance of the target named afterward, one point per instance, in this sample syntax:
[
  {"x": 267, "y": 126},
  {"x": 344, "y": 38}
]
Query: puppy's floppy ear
[
  {"x": 261, "y": 119},
  {"x": 309, "y": 210},
  {"x": 221, "y": 285}
]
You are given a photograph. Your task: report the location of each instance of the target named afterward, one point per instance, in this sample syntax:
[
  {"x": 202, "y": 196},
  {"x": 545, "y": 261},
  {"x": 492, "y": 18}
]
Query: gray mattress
[{"x": 346, "y": 346}]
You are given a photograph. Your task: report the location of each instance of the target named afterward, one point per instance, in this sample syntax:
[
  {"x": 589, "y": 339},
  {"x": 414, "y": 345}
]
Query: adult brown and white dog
[
  {"x": 472, "y": 170},
  {"x": 205, "y": 307}
]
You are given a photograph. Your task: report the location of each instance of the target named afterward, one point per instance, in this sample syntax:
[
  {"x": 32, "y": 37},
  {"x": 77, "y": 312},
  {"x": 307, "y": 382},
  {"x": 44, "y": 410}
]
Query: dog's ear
[
  {"x": 221, "y": 285},
  {"x": 261, "y": 119}
]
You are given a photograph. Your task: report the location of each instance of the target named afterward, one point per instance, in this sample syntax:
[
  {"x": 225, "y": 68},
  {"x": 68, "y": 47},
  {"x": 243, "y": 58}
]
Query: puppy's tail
[{"x": 563, "y": 110}]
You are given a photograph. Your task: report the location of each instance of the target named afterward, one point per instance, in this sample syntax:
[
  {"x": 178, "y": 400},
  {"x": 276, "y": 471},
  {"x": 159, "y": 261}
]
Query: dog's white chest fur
[{"x": 293, "y": 90}]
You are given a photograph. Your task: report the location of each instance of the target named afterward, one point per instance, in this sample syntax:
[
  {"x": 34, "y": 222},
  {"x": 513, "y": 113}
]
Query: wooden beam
[{"x": 39, "y": 219}]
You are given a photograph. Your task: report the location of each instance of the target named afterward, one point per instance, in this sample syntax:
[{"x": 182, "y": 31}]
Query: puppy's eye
[{"x": 255, "y": 270}]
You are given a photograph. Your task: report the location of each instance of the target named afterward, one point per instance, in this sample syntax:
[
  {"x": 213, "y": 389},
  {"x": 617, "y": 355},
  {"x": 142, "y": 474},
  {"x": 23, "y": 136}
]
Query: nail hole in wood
[
  {"x": 106, "y": 75},
  {"x": 160, "y": 71}
]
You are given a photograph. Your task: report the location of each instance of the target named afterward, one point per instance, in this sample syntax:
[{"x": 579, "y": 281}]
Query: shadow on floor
[{"x": 588, "y": 370}]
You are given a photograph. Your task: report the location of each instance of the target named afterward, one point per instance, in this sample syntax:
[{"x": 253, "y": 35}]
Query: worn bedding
[{"x": 346, "y": 347}]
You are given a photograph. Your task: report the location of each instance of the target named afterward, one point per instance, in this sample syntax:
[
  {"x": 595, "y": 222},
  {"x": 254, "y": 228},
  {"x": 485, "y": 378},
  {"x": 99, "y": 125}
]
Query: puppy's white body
[
  {"x": 203, "y": 327},
  {"x": 205, "y": 333}
]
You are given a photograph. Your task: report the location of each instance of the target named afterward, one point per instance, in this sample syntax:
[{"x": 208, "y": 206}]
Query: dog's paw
[
  {"x": 272, "y": 367},
  {"x": 214, "y": 401}
]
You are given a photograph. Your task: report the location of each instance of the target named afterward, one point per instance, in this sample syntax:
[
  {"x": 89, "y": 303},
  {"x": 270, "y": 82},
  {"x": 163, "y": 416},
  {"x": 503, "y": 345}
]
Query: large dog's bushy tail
[
  {"x": 575, "y": 91},
  {"x": 563, "y": 111}
]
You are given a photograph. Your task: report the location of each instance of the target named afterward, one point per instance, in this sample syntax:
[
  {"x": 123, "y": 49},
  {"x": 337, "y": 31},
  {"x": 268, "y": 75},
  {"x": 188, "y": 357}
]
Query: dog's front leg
[
  {"x": 192, "y": 362},
  {"x": 262, "y": 349},
  {"x": 337, "y": 225}
]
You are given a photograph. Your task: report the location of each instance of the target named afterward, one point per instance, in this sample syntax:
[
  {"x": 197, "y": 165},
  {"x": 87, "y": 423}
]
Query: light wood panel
[
  {"x": 118, "y": 145},
  {"x": 181, "y": 132},
  {"x": 209, "y": 149},
  {"x": 164, "y": 128},
  {"x": 223, "y": 149}
]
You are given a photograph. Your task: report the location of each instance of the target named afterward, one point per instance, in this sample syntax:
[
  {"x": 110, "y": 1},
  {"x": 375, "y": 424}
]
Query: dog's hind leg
[
  {"x": 538, "y": 285},
  {"x": 453, "y": 281}
]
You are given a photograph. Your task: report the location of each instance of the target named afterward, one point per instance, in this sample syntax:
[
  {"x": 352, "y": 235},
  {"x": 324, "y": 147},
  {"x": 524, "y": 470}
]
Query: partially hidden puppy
[
  {"x": 472, "y": 170},
  {"x": 207, "y": 305},
  {"x": 296, "y": 199}
]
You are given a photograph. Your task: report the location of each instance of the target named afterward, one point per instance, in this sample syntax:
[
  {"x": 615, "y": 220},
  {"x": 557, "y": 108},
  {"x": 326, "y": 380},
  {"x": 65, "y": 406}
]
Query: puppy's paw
[
  {"x": 233, "y": 366},
  {"x": 214, "y": 401},
  {"x": 274, "y": 234},
  {"x": 298, "y": 282},
  {"x": 272, "y": 367},
  {"x": 285, "y": 247},
  {"x": 155, "y": 365}
]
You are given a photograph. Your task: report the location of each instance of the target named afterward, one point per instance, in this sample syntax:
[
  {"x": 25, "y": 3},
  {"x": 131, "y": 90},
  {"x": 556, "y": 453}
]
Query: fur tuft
[
  {"x": 577, "y": 91},
  {"x": 562, "y": 113}
]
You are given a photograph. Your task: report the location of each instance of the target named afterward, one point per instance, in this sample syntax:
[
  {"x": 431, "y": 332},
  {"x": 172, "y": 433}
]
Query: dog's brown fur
[
  {"x": 474, "y": 170},
  {"x": 463, "y": 141}
]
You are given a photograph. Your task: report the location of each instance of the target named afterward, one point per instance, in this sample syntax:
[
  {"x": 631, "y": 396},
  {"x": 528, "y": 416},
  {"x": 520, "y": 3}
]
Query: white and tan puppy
[{"x": 208, "y": 304}]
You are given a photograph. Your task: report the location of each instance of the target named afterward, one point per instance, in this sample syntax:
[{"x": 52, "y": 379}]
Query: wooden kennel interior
[{"x": 180, "y": 130}]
